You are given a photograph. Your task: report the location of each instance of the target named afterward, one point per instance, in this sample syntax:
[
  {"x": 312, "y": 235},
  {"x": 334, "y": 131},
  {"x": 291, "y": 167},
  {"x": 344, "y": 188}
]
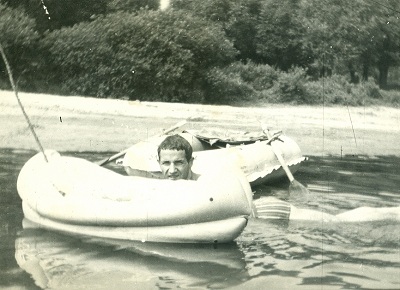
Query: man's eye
[
  {"x": 179, "y": 162},
  {"x": 165, "y": 163}
]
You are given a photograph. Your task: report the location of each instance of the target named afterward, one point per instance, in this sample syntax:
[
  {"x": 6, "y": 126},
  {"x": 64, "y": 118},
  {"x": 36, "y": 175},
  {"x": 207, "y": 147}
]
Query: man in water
[
  {"x": 175, "y": 158},
  {"x": 272, "y": 208}
]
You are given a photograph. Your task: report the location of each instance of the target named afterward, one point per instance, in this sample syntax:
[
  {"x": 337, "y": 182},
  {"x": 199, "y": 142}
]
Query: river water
[{"x": 298, "y": 255}]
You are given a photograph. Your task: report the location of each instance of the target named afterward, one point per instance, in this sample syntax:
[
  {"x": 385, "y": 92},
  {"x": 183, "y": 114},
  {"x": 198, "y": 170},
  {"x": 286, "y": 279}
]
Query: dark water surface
[{"x": 301, "y": 255}]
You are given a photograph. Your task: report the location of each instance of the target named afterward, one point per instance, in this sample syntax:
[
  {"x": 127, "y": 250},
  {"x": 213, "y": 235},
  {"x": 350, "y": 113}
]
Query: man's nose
[{"x": 172, "y": 167}]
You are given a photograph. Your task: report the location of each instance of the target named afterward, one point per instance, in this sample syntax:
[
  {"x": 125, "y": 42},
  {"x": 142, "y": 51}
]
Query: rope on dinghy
[{"x": 8, "y": 67}]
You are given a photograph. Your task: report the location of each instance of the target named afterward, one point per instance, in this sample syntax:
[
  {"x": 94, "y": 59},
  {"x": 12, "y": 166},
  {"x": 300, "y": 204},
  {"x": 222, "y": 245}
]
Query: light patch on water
[
  {"x": 345, "y": 172},
  {"x": 319, "y": 188},
  {"x": 390, "y": 194}
]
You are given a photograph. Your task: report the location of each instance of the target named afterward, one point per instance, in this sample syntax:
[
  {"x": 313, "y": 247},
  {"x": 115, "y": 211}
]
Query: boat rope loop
[{"x": 19, "y": 101}]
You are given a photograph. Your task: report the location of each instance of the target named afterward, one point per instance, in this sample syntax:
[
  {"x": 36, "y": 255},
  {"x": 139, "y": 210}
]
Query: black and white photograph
[{"x": 186, "y": 144}]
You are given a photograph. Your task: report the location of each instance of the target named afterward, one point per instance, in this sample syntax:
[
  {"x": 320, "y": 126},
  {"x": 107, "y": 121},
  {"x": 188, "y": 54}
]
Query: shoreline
[{"x": 70, "y": 123}]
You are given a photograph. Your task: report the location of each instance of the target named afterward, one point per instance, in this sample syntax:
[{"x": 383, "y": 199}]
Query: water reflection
[
  {"x": 352, "y": 255},
  {"x": 56, "y": 261},
  {"x": 310, "y": 255},
  {"x": 339, "y": 184}
]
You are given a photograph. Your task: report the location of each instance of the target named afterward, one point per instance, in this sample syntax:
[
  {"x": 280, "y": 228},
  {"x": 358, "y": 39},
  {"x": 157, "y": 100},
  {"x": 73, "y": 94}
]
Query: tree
[
  {"x": 280, "y": 34},
  {"x": 388, "y": 47},
  {"x": 150, "y": 55},
  {"x": 238, "y": 18},
  {"x": 334, "y": 34},
  {"x": 131, "y": 5},
  {"x": 353, "y": 36},
  {"x": 217, "y": 11},
  {"x": 241, "y": 28},
  {"x": 19, "y": 39},
  {"x": 54, "y": 14}
]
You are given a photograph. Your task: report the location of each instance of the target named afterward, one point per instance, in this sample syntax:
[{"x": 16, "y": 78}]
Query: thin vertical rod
[{"x": 19, "y": 101}]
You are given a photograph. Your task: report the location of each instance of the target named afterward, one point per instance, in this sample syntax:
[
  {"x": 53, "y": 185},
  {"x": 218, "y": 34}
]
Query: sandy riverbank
[{"x": 90, "y": 124}]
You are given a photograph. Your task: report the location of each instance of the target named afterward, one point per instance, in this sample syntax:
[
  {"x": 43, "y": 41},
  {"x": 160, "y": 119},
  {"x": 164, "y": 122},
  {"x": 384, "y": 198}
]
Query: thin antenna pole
[
  {"x": 19, "y": 101},
  {"x": 352, "y": 126},
  {"x": 323, "y": 103}
]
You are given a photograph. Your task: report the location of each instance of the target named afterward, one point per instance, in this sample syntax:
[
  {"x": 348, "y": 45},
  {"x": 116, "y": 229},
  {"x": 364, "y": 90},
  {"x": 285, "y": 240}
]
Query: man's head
[{"x": 175, "y": 157}]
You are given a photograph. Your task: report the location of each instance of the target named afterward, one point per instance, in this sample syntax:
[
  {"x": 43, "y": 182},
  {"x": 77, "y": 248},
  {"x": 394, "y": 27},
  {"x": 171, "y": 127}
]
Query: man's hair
[{"x": 176, "y": 142}]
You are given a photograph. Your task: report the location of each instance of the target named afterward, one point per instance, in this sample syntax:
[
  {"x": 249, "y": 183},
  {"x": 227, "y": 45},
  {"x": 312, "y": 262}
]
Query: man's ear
[{"x": 191, "y": 162}]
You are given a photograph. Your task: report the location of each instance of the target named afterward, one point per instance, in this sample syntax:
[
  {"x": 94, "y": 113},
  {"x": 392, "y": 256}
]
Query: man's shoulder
[{"x": 194, "y": 176}]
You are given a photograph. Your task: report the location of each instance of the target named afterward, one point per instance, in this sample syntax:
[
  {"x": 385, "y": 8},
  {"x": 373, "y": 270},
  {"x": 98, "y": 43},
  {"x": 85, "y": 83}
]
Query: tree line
[{"x": 212, "y": 51}]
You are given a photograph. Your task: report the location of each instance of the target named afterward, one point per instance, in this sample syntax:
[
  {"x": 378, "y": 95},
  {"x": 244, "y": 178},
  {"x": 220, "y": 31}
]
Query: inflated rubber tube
[{"x": 70, "y": 192}]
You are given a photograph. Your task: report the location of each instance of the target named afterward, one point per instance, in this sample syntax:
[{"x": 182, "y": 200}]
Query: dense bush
[
  {"x": 330, "y": 90},
  {"x": 153, "y": 55},
  {"x": 212, "y": 51},
  {"x": 364, "y": 93},
  {"x": 131, "y": 5},
  {"x": 226, "y": 86},
  {"x": 338, "y": 90},
  {"x": 239, "y": 81},
  {"x": 261, "y": 77},
  {"x": 290, "y": 86},
  {"x": 19, "y": 39},
  {"x": 54, "y": 14},
  {"x": 391, "y": 97}
]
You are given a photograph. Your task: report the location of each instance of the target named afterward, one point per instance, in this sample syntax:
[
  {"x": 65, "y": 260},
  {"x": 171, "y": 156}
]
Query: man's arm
[{"x": 363, "y": 214}]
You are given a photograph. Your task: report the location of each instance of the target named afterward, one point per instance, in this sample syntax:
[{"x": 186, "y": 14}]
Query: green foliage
[
  {"x": 328, "y": 32},
  {"x": 131, "y": 5},
  {"x": 338, "y": 90},
  {"x": 154, "y": 55},
  {"x": 216, "y": 51},
  {"x": 261, "y": 77},
  {"x": 248, "y": 83},
  {"x": 213, "y": 10},
  {"x": 241, "y": 27},
  {"x": 358, "y": 35},
  {"x": 239, "y": 82},
  {"x": 238, "y": 18},
  {"x": 330, "y": 90},
  {"x": 226, "y": 86},
  {"x": 280, "y": 32},
  {"x": 391, "y": 97},
  {"x": 54, "y": 14},
  {"x": 290, "y": 86},
  {"x": 368, "y": 91},
  {"x": 19, "y": 39},
  {"x": 16, "y": 28}
]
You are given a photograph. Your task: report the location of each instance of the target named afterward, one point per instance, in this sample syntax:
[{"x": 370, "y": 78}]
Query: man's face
[{"x": 174, "y": 165}]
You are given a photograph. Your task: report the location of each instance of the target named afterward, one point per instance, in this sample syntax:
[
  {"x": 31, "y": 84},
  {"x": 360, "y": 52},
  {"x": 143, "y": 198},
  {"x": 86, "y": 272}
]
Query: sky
[{"x": 164, "y": 4}]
